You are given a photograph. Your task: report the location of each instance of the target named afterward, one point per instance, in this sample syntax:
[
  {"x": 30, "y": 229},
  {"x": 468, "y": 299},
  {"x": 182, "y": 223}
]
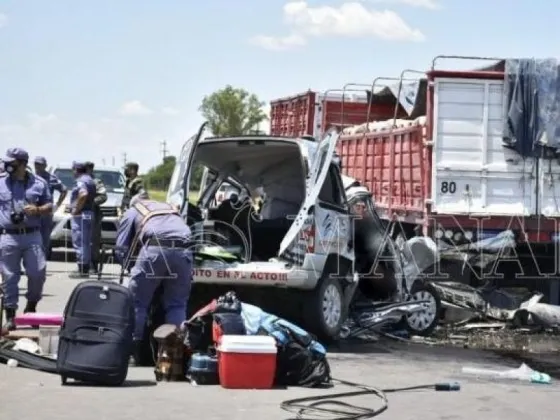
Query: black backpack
[{"x": 301, "y": 360}]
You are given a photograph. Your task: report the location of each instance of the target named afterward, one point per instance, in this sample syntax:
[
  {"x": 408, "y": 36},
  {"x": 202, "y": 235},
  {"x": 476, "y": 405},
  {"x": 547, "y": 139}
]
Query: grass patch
[
  {"x": 158, "y": 195},
  {"x": 162, "y": 196}
]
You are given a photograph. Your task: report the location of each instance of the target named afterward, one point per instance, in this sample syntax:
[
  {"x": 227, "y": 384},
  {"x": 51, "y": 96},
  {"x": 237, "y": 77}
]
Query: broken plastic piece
[{"x": 522, "y": 373}]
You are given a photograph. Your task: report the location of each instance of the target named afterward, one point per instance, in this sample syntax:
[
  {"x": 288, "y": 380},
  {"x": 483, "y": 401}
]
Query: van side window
[{"x": 331, "y": 192}]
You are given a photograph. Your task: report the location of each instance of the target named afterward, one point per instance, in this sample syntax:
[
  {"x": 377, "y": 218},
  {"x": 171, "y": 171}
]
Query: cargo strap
[{"x": 147, "y": 215}]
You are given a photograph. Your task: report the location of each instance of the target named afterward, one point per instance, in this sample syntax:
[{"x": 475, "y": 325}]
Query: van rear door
[
  {"x": 319, "y": 168},
  {"x": 178, "y": 192}
]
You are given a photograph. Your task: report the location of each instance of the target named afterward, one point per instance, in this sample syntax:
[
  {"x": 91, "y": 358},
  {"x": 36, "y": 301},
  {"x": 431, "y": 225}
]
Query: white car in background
[{"x": 114, "y": 181}]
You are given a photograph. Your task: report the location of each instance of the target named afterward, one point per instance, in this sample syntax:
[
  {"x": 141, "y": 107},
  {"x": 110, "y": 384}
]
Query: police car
[{"x": 303, "y": 266}]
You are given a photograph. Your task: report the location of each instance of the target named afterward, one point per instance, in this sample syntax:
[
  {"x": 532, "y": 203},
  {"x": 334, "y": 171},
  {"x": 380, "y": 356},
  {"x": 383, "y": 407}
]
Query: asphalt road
[{"x": 29, "y": 394}]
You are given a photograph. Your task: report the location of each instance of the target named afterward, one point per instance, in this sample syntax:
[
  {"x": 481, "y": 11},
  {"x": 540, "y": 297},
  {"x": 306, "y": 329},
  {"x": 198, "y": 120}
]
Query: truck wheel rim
[
  {"x": 332, "y": 306},
  {"x": 421, "y": 320}
]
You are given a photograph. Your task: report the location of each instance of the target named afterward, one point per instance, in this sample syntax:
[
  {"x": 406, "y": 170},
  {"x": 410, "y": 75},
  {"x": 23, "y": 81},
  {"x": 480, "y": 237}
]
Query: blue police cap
[
  {"x": 15, "y": 153},
  {"x": 40, "y": 160},
  {"x": 78, "y": 165}
]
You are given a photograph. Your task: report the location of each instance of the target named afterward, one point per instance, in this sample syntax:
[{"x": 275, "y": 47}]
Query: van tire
[
  {"x": 324, "y": 311},
  {"x": 424, "y": 323}
]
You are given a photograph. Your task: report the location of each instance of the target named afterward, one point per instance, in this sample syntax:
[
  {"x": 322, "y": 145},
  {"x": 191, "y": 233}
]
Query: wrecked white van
[{"x": 294, "y": 256}]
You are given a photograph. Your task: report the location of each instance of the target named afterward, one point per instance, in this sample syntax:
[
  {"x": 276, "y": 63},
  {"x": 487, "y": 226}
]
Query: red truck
[{"x": 446, "y": 173}]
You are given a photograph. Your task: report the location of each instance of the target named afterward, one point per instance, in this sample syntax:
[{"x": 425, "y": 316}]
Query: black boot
[
  {"x": 81, "y": 273},
  {"x": 31, "y": 307},
  {"x": 94, "y": 269},
  {"x": 10, "y": 324}
]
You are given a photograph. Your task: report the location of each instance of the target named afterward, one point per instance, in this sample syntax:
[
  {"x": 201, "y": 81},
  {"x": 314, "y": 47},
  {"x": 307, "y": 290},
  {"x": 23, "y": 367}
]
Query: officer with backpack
[{"x": 156, "y": 238}]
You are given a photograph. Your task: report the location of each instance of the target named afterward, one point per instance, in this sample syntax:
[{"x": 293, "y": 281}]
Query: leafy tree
[
  {"x": 232, "y": 112},
  {"x": 159, "y": 176}
]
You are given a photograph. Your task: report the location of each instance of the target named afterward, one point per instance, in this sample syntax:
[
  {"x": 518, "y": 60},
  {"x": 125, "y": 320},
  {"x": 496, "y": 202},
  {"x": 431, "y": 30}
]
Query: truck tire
[
  {"x": 424, "y": 322},
  {"x": 324, "y": 309}
]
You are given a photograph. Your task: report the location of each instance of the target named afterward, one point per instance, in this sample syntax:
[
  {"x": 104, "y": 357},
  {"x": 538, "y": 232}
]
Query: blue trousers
[
  {"x": 13, "y": 250},
  {"x": 81, "y": 236},
  {"x": 155, "y": 266},
  {"x": 46, "y": 230}
]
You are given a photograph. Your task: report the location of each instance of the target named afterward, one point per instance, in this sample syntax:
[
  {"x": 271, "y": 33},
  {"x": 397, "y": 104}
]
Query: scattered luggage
[
  {"x": 25, "y": 359},
  {"x": 170, "y": 363},
  {"x": 95, "y": 341},
  {"x": 228, "y": 342},
  {"x": 203, "y": 369},
  {"x": 300, "y": 360},
  {"x": 227, "y": 324}
]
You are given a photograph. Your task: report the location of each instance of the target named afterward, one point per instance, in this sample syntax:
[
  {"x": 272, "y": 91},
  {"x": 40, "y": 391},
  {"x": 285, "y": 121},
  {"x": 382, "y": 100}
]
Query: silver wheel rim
[
  {"x": 421, "y": 320},
  {"x": 332, "y": 306}
]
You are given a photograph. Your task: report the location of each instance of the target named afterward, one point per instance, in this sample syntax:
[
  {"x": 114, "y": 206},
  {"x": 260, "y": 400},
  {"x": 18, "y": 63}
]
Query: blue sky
[{"x": 91, "y": 80}]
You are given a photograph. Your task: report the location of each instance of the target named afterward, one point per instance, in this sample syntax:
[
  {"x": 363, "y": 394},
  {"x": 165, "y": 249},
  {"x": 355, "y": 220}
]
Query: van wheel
[
  {"x": 324, "y": 311},
  {"x": 424, "y": 322}
]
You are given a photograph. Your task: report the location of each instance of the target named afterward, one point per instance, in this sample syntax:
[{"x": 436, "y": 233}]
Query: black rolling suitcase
[{"x": 95, "y": 341}]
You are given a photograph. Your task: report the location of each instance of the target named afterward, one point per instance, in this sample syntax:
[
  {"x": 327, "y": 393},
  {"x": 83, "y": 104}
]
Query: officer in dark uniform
[
  {"x": 81, "y": 206},
  {"x": 134, "y": 184},
  {"x": 54, "y": 184},
  {"x": 100, "y": 198},
  {"x": 159, "y": 239}
]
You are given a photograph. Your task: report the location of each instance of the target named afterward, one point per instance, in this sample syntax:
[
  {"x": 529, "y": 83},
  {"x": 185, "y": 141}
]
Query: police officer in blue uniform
[
  {"x": 159, "y": 240},
  {"x": 54, "y": 184},
  {"x": 24, "y": 199},
  {"x": 81, "y": 207}
]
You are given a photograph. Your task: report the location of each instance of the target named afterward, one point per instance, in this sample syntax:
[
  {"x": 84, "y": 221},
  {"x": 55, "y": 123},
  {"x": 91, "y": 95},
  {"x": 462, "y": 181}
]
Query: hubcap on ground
[
  {"x": 421, "y": 320},
  {"x": 332, "y": 306}
]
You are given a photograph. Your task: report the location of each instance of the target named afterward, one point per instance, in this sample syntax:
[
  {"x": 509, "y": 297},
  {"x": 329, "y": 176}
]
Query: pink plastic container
[{"x": 41, "y": 319}]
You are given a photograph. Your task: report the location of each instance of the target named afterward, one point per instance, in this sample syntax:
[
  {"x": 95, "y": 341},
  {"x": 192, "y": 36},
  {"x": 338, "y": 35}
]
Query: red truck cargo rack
[
  {"x": 394, "y": 166},
  {"x": 311, "y": 113}
]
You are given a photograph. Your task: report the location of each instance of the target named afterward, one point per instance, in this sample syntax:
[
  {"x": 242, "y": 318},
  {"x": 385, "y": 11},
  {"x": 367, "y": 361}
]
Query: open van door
[
  {"x": 178, "y": 192},
  {"x": 318, "y": 170}
]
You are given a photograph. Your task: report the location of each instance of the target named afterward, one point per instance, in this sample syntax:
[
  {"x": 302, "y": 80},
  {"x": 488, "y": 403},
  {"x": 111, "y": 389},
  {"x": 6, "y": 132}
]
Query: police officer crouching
[
  {"x": 24, "y": 199},
  {"x": 157, "y": 238},
  {"x": 81, "y": 207}
]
